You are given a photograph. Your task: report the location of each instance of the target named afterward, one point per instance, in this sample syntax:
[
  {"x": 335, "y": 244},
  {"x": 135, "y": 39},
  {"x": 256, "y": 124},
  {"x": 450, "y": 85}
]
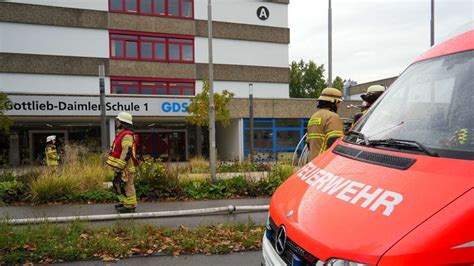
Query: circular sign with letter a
[{"x": 263, "y": 13}]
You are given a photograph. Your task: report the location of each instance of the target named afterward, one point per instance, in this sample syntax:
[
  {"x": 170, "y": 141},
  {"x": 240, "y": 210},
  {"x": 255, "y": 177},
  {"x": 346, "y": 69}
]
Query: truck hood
[{"x": 338, "y": 207}]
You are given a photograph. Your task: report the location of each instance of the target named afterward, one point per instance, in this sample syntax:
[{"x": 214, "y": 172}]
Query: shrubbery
[
  {"x": 81, "y": 177},
  {"x": 154, "y": 182}
]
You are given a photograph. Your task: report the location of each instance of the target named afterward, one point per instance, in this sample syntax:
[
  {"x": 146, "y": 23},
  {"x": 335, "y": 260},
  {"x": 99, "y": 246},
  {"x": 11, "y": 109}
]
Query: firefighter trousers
[{"x": 129, "y": 200}]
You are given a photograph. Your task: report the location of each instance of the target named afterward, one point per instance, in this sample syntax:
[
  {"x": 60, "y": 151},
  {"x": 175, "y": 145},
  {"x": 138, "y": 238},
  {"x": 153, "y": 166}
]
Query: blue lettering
[
  {"x": 166, "y": 107},
  {"x": 176, "y": 107},
  {"x": 185, "y": 105}
]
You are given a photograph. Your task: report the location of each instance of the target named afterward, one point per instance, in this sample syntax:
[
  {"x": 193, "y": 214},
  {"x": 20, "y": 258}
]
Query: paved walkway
[
  {"x": 94, "y": 209},
  {"x": 234, "y": 259}
]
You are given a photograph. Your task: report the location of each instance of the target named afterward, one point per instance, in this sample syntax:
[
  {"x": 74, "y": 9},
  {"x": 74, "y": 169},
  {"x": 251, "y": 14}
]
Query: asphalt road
[
  {"x": 234, "y": 259},
  {"x": 191, "y": 221}
]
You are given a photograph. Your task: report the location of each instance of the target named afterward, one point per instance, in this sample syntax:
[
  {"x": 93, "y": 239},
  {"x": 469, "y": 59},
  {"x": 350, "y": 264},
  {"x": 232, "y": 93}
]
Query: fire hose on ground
[{"x": 140, "y": 215}]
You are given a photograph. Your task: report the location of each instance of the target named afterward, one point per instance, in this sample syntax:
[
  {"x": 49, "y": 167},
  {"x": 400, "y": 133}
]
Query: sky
[{"x": 372, "y": 39}]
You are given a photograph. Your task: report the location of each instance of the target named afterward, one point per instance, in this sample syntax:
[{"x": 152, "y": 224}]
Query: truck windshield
[{"x": 431, "y": 103}]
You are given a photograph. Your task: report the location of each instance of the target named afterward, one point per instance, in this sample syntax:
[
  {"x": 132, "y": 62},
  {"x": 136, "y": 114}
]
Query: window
[
  {"x": 174, "y": 8},
  {"x": 124, "y": 46},
  {"x": 152, "y": 87},
  {"x": 181, "y": 50},
  {"x": 274, "y": 138},
  {"x": 153, "y": 48},
  {"x": 131, "y": 5},
  {"x": 124, "y": 87}
]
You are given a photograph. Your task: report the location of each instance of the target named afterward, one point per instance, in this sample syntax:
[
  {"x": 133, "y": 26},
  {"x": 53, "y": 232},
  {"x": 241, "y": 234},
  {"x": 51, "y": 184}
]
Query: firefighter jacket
[
  {"x": 123, "y": 152},
  {"x": 51, "y": 155},
  {"x": 463, "y": 137},
  {"x": 323, "y": 127}
]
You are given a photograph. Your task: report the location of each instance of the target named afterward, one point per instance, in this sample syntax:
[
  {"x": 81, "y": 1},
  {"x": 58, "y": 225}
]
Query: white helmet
[
  {"x": 50, "y": 138},
  {"x": 125, "y": 117},
  {"x": 375, "y": 88}
]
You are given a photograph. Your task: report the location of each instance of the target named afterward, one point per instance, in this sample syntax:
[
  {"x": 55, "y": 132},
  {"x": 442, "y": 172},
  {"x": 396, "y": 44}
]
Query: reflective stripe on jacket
[
  {"x": 119, "y": 155},
  {"x": 51, "y": 154},
  {"x": 323, "y": 126}
]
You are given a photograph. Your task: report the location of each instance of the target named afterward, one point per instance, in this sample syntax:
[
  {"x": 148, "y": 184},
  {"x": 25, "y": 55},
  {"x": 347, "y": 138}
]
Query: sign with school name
[{"x": 62, "y": 105}]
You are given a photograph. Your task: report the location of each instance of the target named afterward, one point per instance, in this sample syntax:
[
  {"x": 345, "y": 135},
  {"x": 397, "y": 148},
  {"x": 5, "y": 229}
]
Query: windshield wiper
[
  {"x": 407, "y": 144},
  {"x": 359, "y": 134}
]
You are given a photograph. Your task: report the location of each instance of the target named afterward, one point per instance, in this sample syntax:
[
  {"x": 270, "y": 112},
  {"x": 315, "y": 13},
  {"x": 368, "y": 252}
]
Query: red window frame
[
  {"x": 123, "y": 39},
  {"x": 167, "y": 14},
  {"x": 168, "y": 85},
  {"x": 139, "y": 37}
]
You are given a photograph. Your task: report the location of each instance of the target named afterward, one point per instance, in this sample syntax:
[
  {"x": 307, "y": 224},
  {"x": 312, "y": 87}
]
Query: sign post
[{"x": 103, "y": 118}]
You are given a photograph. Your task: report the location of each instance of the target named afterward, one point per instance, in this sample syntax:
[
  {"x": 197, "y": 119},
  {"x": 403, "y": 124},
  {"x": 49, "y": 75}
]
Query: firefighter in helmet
[
  {"x": 122, "y": 159},
  {"x": 51, "y": 153},
  {"x": 369, "y": 98},
  {"x": 325, "y": 125}
]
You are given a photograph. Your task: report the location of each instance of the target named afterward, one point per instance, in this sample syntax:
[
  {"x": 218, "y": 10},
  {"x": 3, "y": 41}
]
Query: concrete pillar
[
  {"x": 111, "y": 131},
  {"x": 14, "y": 151},
  {"x": 198, "y": 141}
]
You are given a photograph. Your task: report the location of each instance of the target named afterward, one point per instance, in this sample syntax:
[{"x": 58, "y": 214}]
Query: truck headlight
[
  {"x": 339, "y": 262},
  {"x": 268, "y": 229}
]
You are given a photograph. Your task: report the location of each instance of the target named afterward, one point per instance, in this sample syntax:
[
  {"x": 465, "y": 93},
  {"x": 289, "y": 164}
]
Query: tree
[
  {"x": 5, "y": 121},
  {"x": 313, "y": 79},
  {"x": 199, "y": 107},
  {"x": 296, "y": 80},
  {"x": 306, "y": 79},
  {"x": 338, "y": 83}
]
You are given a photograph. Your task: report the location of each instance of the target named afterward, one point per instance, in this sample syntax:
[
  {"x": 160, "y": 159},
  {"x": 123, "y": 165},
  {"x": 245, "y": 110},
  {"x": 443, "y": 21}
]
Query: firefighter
[
  {"x": 122, "y": 159},
  {"x": 51, "y": 153},
  {"x": 325, "y": 125},
  {"x": 369, "y": 98}
]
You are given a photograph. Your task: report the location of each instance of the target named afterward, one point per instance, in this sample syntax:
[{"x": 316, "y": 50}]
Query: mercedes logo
[{"x": 280, "y": 242}]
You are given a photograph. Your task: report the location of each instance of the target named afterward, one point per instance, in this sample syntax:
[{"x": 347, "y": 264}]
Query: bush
[
  {"x": 11, "y": 191},
  {"x": 79, "y": 172},
  {"x": 152, "y": 180},
  {"x": 199, "y": 165}
]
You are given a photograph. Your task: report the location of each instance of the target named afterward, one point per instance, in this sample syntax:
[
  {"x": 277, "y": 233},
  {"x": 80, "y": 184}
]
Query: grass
[
  {"x": 79, "y": 172},
  {"x": 48, "y": 243},
  {"x": 199, "y": 165}
]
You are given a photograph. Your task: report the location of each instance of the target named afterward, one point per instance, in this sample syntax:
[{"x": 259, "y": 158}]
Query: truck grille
[{"x": 292, "y": 248}]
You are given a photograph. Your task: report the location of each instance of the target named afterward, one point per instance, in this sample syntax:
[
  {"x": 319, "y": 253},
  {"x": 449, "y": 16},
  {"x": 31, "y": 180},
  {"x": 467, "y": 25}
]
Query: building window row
[
  {"x": 174, "y": 8},
  {"x": 152, "y": 48},
  {"x": 152, "y": 87}
]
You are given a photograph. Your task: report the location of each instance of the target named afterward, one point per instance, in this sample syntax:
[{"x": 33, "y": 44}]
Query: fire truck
[{"x": 397, "y": 189}]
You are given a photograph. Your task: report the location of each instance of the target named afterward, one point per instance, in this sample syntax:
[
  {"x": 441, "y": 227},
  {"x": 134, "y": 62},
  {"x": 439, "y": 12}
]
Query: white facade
[
  {"x": 51, "y": 84},
  {"x": 102, "y": 5},
  {"x": 51, "y": 40},
  {"x": 236, "y": 52},
  {"x": 244, "y": 12},
  {"x": 241, "y": 89}
]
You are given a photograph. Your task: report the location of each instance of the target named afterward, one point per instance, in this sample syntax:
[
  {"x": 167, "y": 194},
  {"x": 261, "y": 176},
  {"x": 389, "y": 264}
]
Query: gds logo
[{"x": 174, "y": 107}]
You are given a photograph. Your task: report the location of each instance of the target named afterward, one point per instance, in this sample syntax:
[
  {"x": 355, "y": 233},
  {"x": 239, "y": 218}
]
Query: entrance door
[
  {"x": 170, "y": 146},
  {"x": 38, "y": 143}
]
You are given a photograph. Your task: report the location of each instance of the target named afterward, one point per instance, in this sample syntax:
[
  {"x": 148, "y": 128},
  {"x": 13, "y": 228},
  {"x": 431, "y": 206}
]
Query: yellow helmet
[
  {"x": 331, "y": 95},
  {"x": 125, "y": 117}
]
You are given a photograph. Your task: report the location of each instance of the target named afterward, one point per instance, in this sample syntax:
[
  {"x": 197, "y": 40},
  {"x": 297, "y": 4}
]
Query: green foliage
[
  {"x": 199, "y": 107},
  {"x": 153, "y": 181},
  {"x": 5, "y": 121},
  {"x": 80, "y": 172},
  {"x": 307, "y": 79},
  {"x": 11, "y": 191},
  {"x": 338, "y": 83},
  {"x": 50, "y": 243}
]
